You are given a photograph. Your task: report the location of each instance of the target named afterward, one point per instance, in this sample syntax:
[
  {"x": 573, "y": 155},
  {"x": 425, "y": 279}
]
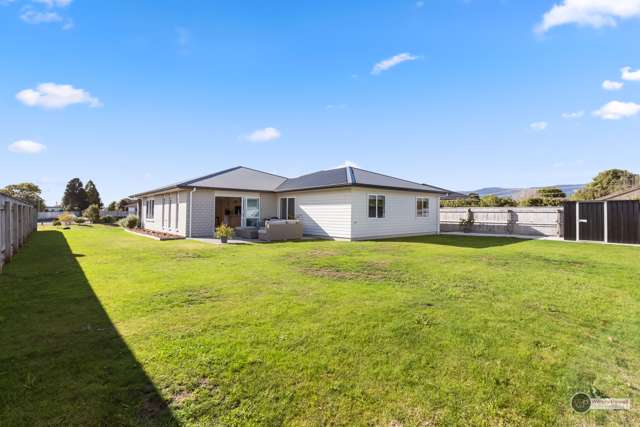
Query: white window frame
[
  {"x": 150, "y": 209},
  {"x": 384, "y": 211},
  {"x": 425, "y": 211},
  {"x": 245, "y": 209}
]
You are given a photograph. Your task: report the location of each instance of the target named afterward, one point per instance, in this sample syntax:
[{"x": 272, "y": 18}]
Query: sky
[{"x": 461, "y": 94}]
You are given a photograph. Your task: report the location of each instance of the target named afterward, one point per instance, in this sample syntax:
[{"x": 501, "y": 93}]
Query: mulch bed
[{"x": 157, "y": 234}]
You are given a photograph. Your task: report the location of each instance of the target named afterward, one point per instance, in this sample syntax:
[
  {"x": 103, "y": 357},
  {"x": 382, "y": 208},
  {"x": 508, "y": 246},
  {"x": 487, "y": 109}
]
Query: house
[
  {"x": 344, "y": 203},
  {"x": 631, "y": 193}
]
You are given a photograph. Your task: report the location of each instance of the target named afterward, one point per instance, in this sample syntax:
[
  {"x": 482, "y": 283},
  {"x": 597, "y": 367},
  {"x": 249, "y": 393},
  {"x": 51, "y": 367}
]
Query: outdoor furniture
[
  {"x": 281, "y": 229},
  {"x": 246, "y": 232}
]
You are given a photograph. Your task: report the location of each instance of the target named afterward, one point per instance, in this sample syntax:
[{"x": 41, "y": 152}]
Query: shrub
[
  {"x": 107, "y": 219},
  {"x": 66, "y": 218},
  {"x": 92, "y": 213},
  {"x": 56, "y": 222},
  {"x": 532, "y": 201},
  {"x": 80, "y": 220},
  {"x": 131, "y": 221},
  {"x": 224, "y": 231}
]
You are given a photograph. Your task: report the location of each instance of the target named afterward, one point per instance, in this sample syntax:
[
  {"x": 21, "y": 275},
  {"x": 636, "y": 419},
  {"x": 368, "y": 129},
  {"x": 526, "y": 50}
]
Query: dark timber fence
[
  {"x": 616, "y": 221},
  {"x": 17, "y": 221}
]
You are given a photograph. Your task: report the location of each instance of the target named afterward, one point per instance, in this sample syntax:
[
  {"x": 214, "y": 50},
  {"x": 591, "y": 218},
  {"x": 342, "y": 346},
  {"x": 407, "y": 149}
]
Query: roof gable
[{"x": 239, "y": 178}]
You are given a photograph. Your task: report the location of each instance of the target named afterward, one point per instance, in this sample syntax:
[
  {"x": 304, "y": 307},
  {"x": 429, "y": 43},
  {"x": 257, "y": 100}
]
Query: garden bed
[{"x": 157, "y": 235}]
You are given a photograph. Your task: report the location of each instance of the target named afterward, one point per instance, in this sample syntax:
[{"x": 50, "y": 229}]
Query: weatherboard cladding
[{"x": 242, "y": 178}]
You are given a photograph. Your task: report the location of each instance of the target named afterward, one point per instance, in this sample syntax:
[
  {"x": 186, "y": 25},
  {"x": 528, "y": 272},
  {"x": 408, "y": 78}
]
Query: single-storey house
[{"x": 344, "y": 203}]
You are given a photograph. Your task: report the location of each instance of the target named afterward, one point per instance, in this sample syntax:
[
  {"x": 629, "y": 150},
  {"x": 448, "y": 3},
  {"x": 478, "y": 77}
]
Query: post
[
  {"x": 577, "y": 221},
  {"x": 606, "y": 223}
]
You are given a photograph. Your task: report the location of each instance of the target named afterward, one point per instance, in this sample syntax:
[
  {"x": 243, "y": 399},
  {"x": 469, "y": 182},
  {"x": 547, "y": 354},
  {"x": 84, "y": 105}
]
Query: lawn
[{"x": 101, "y": 327}]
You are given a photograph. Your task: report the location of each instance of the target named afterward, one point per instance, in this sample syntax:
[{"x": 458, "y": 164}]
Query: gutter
[{"x": 191, "y": 211}]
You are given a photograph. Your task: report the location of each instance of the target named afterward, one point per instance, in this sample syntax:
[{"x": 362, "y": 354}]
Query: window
[
  {"x": 288, "y": 208},
  {"x": 376, "y": 206},
  {"x": 150, "y": 205},
  {"x": 422, "y": 206},
  {"x": 177, "y": 208},
  {"x": 252, "y": 212}
]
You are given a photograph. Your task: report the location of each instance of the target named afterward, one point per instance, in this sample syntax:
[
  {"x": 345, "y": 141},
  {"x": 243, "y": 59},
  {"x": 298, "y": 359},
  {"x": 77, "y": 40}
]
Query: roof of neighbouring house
[
  {"x": 246, "y": 179},
  {"x": 630, "y": 193}
]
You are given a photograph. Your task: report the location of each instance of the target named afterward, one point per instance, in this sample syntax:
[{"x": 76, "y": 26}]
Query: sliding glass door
[{"x": 252, "y": 212}]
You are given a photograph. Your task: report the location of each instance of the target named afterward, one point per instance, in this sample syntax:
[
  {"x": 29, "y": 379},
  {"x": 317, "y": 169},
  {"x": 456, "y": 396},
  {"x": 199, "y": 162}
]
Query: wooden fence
[
  {"x": 17, "y": 221},
  {"x": 50, "y": 216},
  {"x": 534, "y": 221}
]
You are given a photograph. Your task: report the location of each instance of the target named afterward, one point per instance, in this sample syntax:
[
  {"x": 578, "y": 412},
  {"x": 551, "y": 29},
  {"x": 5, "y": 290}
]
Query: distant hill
[{"x": 519, "y": 193}]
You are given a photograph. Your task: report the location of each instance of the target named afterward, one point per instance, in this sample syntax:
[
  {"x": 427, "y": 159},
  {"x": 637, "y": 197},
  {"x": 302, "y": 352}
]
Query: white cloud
[
  {"x": 26, "y": 147},
  {"x": 45, "y": 13},
  {"x": 52, "y": 96},
  {"x": 593, "y": 13},
  {"x": 627, "y": 74},
  {"x": 347, "y": 163},
  {"x": 54, "y": 3},
  {"x": 573, "y": 115},
  {"x": 264, "y": 135},
  {"x": 538, "y": 126},
  {"x": 616, "y": 110},
  {"x": 335, "y": 107},
  {"x": 392, "y": 62},
  {"x": 34, "y": 17},
  {"x": 611, "y": 85}
]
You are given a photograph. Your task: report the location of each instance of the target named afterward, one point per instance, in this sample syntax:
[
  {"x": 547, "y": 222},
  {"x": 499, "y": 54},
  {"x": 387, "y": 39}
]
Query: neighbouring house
[
  {"x": 344, "y": 203},
  {"x": 632, "y": 193}
]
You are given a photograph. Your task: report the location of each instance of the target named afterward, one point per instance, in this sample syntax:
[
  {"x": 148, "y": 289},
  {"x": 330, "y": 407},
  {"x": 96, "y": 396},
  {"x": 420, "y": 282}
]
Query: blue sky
[{"x": 466, "y": 94}]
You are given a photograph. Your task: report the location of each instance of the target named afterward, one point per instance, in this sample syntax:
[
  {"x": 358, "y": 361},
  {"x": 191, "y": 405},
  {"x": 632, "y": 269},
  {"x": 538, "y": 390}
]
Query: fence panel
[
  {"x": 534, "y": 221},
  {"x": 17, "y": 221},
  {"x": 50, "y": 216}
]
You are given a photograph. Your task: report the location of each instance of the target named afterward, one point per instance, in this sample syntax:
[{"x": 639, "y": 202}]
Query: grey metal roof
[
  {"x": 247, "y": 179},
  {"x": 321, "y": 179},
  {"x": 237, "y": 178},
  {"x": 350, "y": 176}
]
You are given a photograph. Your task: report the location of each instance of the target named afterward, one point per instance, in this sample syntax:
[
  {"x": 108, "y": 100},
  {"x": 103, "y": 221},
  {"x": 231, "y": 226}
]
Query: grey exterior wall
[{"x": 202, "y": 213}]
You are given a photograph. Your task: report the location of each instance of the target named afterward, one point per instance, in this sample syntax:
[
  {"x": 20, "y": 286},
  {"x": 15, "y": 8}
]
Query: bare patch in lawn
[
  {"x": 371, "y": 271},
  {"x": 186, "y": 297},
  {"x": 186, "y": 256}
]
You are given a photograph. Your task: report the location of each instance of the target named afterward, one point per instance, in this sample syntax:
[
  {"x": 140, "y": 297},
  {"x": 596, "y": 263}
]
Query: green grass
[{"x": 101, "y": 327}]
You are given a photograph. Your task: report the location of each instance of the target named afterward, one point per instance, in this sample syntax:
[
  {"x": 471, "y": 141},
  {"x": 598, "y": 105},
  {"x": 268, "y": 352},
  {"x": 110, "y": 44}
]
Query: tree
[
  {"x": 28, "y": 192},
  {"x": 93, "y": 196},
  {"x": 122, "y": 204},
  {"x": 605, "y": 183},
  {"x": 113, "y": 206},
  {"x": 551, "y": 193},
  {"x": 75, "y": 196},
  {"x": 92, "y": 213}
]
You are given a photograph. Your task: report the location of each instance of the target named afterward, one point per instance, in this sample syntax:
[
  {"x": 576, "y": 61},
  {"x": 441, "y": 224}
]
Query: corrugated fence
[
  {"x": 543, "y": 221},
  {"x": 17, "y": 221}
]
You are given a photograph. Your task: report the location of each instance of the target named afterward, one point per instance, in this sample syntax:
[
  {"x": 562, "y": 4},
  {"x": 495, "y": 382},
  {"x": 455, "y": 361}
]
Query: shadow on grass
[
  {"x": 474, "y": 242},
  {"x": 62, "y": 361}
]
